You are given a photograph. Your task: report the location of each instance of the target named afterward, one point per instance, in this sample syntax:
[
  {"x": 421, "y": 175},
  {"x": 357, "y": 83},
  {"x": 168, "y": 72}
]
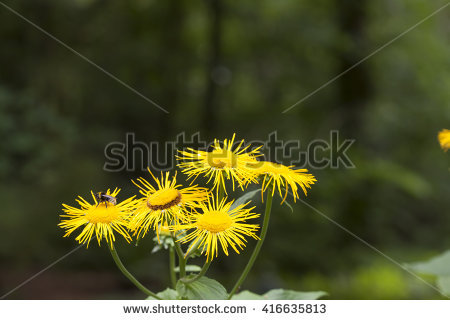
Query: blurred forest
[{"x": 220, "y": 67}]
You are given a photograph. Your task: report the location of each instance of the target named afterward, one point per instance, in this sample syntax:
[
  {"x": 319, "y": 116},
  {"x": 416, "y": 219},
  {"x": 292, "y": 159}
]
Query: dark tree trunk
[
  {"x": 215, "y": 48},
  {"x": 354, "y": 93},
  {"x": 174, "y": 65},
  {"x": 355, "y": 86}
]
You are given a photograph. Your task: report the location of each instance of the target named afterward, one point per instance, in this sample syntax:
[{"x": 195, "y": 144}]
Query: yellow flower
[
  {"x": 444, "y": 139},
  {"x": 219, "y": 225},
  {"x": 164, "y": 205},
  {"x": 284, "y": 177},
  {"x": 223, "y": 162},
  {"x": 102, "y": 218}
]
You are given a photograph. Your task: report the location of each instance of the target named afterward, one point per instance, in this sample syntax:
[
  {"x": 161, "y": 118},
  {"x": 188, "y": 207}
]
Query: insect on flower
[
  {"x": 105, "y": 198},
  {"x": 98, "y": 219}
]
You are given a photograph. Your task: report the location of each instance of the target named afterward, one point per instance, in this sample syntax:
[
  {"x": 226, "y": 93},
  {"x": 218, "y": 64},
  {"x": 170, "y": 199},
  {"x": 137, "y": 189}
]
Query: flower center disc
[
  {"x": 221, "y": 158},
  {"x": 164, "y": 199},
  {"x": 214, "y": 221},
  {"x": 102, "y": 213}
]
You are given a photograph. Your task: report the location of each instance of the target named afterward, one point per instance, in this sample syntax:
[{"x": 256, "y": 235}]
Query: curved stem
[
  {"x": 173, "y": 276},
  {"x": 200, "y": 274},
  {"x": 127, "y": 274},
  {"x": 258, "y": 246},
  {"x": 181, "y": 259}
]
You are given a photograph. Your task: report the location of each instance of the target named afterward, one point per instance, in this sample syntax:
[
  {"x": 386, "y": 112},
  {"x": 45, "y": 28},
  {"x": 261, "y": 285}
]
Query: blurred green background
[{"x": 221, "y": 67}]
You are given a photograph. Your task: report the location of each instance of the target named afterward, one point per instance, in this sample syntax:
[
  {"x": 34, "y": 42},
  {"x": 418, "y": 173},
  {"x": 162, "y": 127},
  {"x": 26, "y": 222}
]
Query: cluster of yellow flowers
[{"x": 199, "y": 214}]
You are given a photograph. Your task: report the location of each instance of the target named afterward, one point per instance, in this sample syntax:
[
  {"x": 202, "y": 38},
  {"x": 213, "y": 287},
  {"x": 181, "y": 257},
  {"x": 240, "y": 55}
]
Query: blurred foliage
[{"x": 221, "y": 67}]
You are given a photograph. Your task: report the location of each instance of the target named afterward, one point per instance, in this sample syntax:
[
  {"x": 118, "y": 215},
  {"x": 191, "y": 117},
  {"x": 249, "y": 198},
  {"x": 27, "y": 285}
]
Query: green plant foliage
[
  {"x": 443, "y": 284},
  {"x": 168, "y": 294},
  {"x": 280, "y": 294},
  {"x": 247, "y": 295},
  {"x": 202, "y": 289},
  {"x": 246, "y": 197},
  {"x": 165, "y": 243},
  {"x": 439, "y": 265}
]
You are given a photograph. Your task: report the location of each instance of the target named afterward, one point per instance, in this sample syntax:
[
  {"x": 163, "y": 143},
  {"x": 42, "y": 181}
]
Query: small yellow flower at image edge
[
  {"x": 222, "y": 163},
  {"x": 163, "y": 205},
  {"x": 444, "y": 139},
  {"x": 219, "y": 225},
  {"x": 279, "y": 176},
  {"x": 102, "y": 218}
]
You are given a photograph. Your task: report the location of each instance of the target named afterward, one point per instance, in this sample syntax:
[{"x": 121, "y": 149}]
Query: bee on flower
[{"x": 103, "y": 217}]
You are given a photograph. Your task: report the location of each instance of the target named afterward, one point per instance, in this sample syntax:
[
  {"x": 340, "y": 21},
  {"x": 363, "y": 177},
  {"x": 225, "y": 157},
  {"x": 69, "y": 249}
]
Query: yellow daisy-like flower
[
  {"x": 220, "y": 225},
  {"x": 444, "y": 139},
  {"x": 284, "y": 177},
  {"x": 223, "y": 162},
  {"x": 103, "y": 218},
  {"x": 165, "y": 204}
]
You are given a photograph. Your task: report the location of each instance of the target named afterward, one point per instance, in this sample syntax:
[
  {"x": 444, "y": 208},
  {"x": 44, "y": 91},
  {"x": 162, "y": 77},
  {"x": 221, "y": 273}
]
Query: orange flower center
[
  {"x": 164, "y": 199},
  {"x": 214, "y": 221}
]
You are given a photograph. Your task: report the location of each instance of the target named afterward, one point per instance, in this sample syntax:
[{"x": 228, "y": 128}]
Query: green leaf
[
  {"x": 202, "y": 289},
  {"x": 444, "y": 285},
  {"x": 244, "y": 198},
  {"x": 439, "y": 265},
  {"x": 168, "y": 294},
  {"x": 190, "y": 268},
  {"x": 279, "y": 294},
  {"x": 247, "y": 295},
  {"x": 282, "y": 294}
]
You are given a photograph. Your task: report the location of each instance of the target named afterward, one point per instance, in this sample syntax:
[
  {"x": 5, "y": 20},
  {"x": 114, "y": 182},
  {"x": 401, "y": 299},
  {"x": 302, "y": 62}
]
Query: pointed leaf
[
  {"x": 444, "y": 285},
  {"x": 439, "y": 265},
  {"x": 247, "y": 295},
  {"x": 168, "y": 294},
  {"x": 244, "y": 198},
  {"x": 282, "y": 294},
  {"x": 202, "y": 289}
]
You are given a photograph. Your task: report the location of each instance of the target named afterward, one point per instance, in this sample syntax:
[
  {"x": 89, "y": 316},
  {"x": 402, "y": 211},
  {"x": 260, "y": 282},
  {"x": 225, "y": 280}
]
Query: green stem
[
  {"x": 200, "y": 274},
  {"x": 173, "y": 276},
  {"x": 258, "y": 246},
  {"x": 220, "y": 192},
  {"x": 181, "y": 259},
  {"x": 130, "y": 277}
]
